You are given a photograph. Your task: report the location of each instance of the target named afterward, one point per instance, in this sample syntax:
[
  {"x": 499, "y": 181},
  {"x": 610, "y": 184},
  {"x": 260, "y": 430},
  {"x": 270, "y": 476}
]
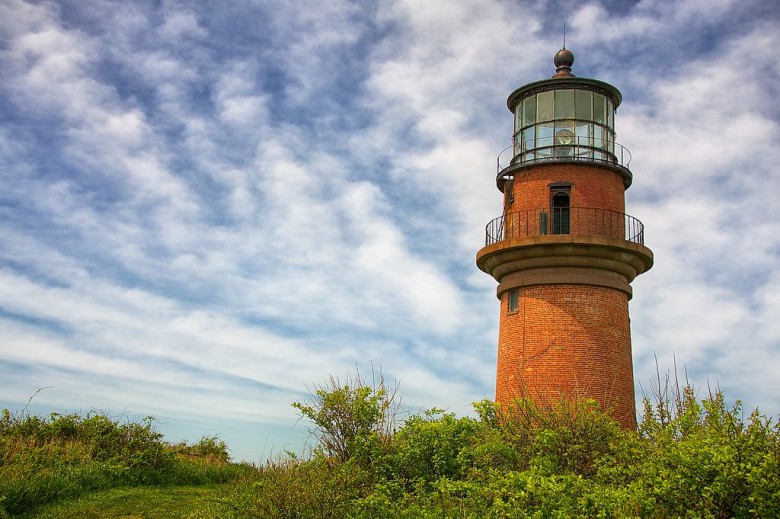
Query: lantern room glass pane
[
  {"x": 564, "y": 138},
  {"x": 544, "y": 139},
  {"x": 610, "y": 114},
  {"x": 598, "y": 136},
  {"x": 518, "y": 117},
  {"x": 583, "y": 132},
  {"x": 599, "y": 108},
  {"x": 583, "y": 103},
  {"x": 544, "y": 110},
  {"x": 564, "y": 104},
  {"x": 568, "y": 126},
  {"x": 528, "y": 138},
  {"x": 529, "y": 110}
]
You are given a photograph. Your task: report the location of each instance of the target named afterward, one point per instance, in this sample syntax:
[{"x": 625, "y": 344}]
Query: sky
[{"x": 207, "y": 208}]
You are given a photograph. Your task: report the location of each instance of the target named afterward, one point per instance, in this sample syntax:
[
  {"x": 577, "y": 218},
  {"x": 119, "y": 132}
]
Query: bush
[
  {"x": 209, "y": 448},
  {"x": 428, "y": 448},
  {"x": 291, "y": 487},
  {"x": 706, "y": 457},
  {"x": 351, "y": 418},
  {"x": 568, "y": 459}
]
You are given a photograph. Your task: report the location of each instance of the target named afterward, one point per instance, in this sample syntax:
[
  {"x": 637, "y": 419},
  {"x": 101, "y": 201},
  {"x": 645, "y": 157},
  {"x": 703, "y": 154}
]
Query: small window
[{"x": 512, "y": 301}]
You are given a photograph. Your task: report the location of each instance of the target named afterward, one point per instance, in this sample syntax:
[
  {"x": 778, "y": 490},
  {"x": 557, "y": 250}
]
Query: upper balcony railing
[
  {"x": 581, "y": 221},
  {"x": 581, "y": 149}
]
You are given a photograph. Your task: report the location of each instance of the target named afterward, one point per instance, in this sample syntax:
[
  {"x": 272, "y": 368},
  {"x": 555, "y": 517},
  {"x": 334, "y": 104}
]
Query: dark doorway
[{"x": 560, "y": 211}]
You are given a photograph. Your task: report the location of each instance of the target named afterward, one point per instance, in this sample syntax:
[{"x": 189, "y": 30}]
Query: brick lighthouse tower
[{"x": 564, "y": 252}]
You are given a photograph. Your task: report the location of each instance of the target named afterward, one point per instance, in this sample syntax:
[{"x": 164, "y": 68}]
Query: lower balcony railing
[{"x": 582, "y": 221}]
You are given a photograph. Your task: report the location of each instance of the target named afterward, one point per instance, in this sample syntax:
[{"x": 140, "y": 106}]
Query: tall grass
[{"x": 46, "y": 459}]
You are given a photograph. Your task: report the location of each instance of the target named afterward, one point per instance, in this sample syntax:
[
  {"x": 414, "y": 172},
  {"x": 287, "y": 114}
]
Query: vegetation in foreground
[
  {"x": 688, "y": 458},
  {"x": 48, "y": 460}
]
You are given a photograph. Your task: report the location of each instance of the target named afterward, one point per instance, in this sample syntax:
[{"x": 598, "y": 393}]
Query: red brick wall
[
  {"x": 569, "y": 341},
  {"x": 592, "y": 186}
]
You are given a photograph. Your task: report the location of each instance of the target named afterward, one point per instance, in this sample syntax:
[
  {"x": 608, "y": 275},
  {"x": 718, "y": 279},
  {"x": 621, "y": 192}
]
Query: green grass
[
  {"x": 140, "y": 502},
  {"x": 48, "y": 461}
]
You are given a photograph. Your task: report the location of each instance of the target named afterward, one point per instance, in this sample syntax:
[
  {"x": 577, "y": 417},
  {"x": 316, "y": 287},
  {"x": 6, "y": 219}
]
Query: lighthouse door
[{"x": 560, "y": 212}]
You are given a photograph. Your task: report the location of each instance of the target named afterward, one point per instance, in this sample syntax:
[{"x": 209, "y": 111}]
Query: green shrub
[
  {"x": 208, "y": 448},
  {"x": 352, "y": 418},
  {"x": 689, "y": 457},
  {"x": 289, "y": 487},
  {"x": 705, "y": 456},
  {"x": 428, "y": 447}
]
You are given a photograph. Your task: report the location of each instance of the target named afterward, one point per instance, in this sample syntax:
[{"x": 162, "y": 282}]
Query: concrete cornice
[{"x": 565, "y": 259}]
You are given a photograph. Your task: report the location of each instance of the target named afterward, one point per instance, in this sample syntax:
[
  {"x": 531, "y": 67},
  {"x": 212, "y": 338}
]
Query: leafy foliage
[
  {"x": 351, "y": 417},
  {"x": 688, "y": 458}
]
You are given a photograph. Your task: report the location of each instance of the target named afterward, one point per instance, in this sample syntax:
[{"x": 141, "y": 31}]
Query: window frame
[{"x": 512, "y": 301}]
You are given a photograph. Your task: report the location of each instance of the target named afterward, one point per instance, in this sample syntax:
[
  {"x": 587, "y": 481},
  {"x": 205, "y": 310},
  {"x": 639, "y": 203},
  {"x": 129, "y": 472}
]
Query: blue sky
[{"x": 206, "y": 208}]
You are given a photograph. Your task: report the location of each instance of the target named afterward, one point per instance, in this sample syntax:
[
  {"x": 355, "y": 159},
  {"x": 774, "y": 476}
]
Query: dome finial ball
[
  {"x": 563, "y": 60},
  {"x": 564, "y": 57}
]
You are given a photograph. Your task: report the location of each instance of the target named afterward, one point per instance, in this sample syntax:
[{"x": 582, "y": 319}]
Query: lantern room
[{"x": 564, "y": 118}]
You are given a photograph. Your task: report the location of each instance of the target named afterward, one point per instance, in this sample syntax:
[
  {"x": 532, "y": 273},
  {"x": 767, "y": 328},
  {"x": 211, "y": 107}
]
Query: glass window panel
[
  {"x": 528, "y": 137},
  {"x": 564, "y": 104},
  {"x": 518, "y": 117},
  {"x": 529, "y": 110},
  {"x": 583, "y": 103},
  {"x": 564, "y": 130},
  {"x": 610, "y": 114},
  {"x": 544, "y": 111},
  {"x": 564, "y": 138},
  {"x": 583, "y": 132},
  {"x": 598, "y": 136},
  {"x": 544, "y": 139},
  {"x": 599, "y": 114}
]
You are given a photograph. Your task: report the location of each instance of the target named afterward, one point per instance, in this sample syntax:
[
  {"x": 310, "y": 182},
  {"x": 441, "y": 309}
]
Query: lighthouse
[{"x": 563, "y": 251}]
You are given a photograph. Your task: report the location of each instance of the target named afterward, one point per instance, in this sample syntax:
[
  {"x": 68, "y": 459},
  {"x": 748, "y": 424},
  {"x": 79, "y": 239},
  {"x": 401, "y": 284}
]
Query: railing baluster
[{"x": 583, "y": 221}]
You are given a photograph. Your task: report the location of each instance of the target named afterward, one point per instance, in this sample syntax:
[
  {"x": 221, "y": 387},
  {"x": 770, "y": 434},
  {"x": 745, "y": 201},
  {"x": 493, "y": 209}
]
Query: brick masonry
[
  {"x": 591, "y": 186},
  {"x": 571, "y": 339}
]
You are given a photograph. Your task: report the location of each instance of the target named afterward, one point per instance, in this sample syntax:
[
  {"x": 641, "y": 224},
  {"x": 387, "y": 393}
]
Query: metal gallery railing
[
  {"x": 579, "y": 150},
  {"x": 581, "y": 221}
]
